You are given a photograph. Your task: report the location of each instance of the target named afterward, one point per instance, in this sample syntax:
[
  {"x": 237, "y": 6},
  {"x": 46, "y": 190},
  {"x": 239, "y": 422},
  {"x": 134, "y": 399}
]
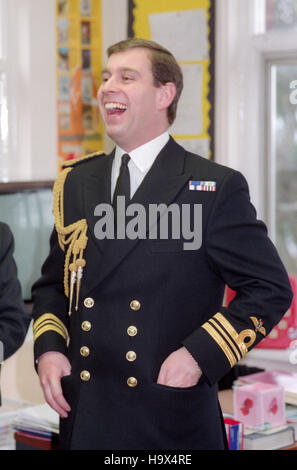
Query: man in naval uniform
[
  {"x": 131, "y": 336},
  {"x": 14, "y": 317}
]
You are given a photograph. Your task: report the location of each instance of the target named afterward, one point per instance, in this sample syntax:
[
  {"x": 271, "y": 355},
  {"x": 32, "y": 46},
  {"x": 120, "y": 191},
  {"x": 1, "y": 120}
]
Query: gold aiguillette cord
[
  {"x": 80, "y": 265},
  {"x": 72, "y": 269}
]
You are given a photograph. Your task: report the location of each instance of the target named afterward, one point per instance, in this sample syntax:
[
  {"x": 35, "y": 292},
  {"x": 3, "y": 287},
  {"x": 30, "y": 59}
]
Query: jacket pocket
[{"x": 175, "y": 389}]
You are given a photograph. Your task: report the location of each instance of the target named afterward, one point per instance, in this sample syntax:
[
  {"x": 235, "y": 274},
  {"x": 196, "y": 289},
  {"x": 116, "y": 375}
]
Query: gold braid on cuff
[
  {"x": 49, "y": 322},
  {"x": 233, "y": 344}
]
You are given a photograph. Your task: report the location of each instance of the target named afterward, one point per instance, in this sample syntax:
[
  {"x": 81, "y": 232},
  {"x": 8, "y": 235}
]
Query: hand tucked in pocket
[
  {"x": 179, "y": 370},
  {"x": 52, "y": 366}
]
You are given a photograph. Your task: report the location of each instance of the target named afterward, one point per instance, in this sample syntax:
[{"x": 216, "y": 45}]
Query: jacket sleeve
[
  {"x": 14, "y": 317},
  {"x": 50, "y": 317},
  {"x": 241, "y": 253}
]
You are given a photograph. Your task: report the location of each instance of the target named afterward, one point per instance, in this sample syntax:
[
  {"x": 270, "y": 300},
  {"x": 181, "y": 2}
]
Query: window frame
[
  {"x": 30, "y": 62},
  {"x": 270, "y": 154},
  {"x": 242, "y": 51},
  {"x": 5, "y": 71}
]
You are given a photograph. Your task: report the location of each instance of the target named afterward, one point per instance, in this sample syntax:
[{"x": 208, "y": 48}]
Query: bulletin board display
[
  {"x": 79, "y": 62},
  {"x": 187, "y": 29}
]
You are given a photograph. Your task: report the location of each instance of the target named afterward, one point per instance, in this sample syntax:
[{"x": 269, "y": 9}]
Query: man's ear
[{"x": 166, "y": 95}]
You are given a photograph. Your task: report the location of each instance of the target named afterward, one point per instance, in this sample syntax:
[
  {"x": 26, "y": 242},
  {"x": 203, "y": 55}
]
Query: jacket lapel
[
  {"x": 162, "y": 184},
  {"x": 97, "y": 190}
]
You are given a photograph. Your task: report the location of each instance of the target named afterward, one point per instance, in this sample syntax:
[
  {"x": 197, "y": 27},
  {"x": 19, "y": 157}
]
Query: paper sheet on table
[
  {"x": 189, "y": 119},
  {"x": 38, "y": 417},
  {"x": 184, "y": 33}
]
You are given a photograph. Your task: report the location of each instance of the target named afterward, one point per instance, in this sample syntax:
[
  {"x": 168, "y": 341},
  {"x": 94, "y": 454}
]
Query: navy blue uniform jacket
[
  {"x": 14, "y": 317},
  {"x": 151, "y": 297}
]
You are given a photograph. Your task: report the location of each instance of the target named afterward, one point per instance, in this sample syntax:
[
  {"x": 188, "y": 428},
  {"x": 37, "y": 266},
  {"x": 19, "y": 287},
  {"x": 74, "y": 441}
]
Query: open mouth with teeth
[{"x": 115, "y": 108}]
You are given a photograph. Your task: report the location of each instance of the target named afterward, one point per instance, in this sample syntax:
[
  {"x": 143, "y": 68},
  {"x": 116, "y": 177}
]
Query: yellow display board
[
  {"x": 79, "y": 62},
  {"x": 184, "y": 28}
]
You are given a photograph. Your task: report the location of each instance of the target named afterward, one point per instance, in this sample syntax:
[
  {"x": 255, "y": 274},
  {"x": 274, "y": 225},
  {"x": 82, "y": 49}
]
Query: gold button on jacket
[
  {"x": 132, "y": 330},
  {"x": 89, "y": 302},
  {"x": 84, "y": 351},
  {"x": 131, "y": 356},
  {"x": 135, "y": 305},
  {"x": 86, "y": 325},
  {"x": 132, "y": 382},
  {"x": 85, "y": 375}
]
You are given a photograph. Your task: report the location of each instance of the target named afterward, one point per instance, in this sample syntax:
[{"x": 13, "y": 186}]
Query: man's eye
[{"x": 126, "y": 78}]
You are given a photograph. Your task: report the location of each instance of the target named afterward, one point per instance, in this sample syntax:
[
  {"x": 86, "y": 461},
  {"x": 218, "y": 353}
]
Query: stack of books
[
  {"x": 270, "y": 439},
  {"x": 8, "y": 412},
  {"x": 36, "y": 427}
]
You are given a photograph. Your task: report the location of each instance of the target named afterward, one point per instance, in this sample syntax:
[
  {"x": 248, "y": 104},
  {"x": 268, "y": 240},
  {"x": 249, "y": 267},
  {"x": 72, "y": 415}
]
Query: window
[
  {"x": 256, "y": 62},
  {"x": 28, "y": 139},
  {"x": 256, "y": 110},
  {"x": 281, "y": 126},
  {"x": 4, "y": 106},
  {"x": 281, "y": 15},
  {"x": 282, "y": 157}
]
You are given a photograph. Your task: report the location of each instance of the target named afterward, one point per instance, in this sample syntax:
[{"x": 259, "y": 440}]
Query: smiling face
[{"x": 133, "y": 109}]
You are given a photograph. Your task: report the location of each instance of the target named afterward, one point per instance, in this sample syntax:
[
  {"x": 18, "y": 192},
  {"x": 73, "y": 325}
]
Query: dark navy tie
[{"x": 123, "y": 182}]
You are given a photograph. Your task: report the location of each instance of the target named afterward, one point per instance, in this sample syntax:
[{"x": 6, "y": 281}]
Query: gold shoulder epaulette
[
  {"x": 72, "y": 236},
  {"x": 85, "y": 158}
]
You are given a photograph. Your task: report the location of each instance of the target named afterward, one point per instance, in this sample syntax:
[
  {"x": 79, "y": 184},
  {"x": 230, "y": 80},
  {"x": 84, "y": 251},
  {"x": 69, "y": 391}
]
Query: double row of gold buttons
[{"x": 131, "y": 330}]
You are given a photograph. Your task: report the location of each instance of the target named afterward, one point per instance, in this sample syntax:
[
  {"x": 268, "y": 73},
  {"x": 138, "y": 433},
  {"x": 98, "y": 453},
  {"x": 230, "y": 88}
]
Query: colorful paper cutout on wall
[{"x": 79, "y": 62}]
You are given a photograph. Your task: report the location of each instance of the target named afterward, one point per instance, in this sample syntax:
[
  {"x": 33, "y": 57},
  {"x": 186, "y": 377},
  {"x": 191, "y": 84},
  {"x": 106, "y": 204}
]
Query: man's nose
[{"x": 111, "y": 85}]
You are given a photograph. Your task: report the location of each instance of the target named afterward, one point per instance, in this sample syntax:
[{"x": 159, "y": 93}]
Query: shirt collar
[{"x": 144, "y": 156}]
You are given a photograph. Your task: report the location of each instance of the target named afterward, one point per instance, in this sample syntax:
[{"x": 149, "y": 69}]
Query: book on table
[{"x": 272, "y": 439}]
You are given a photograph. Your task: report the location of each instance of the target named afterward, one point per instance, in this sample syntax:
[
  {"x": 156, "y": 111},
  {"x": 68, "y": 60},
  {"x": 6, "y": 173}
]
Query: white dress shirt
[{"x": 141, "y": 161}]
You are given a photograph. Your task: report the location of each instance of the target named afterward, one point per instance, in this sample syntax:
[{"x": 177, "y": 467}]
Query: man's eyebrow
[
  {"x": 121, "y": 69},
  {"x": 103, "y": 71}
]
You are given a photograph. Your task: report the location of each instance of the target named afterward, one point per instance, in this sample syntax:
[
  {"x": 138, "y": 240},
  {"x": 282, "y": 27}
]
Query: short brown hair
[{"x": 164, "y": 66}]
